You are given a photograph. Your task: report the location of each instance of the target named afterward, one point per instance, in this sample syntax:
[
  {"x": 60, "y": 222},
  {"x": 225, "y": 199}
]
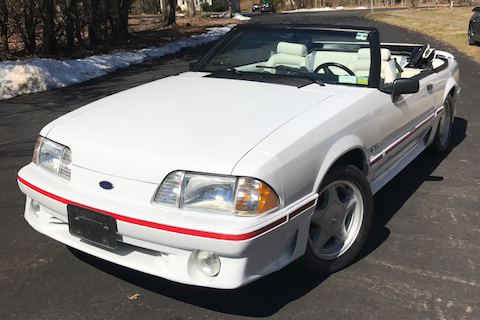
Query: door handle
[{"x": 429, "y": 89}]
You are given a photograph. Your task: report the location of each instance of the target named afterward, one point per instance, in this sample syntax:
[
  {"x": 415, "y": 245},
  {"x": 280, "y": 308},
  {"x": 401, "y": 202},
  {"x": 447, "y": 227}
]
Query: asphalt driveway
[{"x": 423, "y": 261}]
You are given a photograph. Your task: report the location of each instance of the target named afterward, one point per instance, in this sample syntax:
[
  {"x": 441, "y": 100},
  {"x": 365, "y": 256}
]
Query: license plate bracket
[{"x": 92, "y": 226}]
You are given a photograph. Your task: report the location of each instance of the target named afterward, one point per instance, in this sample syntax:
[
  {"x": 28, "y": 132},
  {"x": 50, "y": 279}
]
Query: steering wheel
[{"x": 326, "y": 67}]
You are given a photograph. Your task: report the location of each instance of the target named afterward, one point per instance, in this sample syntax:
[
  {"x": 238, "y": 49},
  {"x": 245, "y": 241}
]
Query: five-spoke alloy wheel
[
  {"x": 341, "y": 222},
  {"x": 337, "y": 220}
]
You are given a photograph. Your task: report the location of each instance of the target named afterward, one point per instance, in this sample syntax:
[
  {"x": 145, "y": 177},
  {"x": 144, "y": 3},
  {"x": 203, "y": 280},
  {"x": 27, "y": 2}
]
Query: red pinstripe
[{"x": 191, "y": 232}]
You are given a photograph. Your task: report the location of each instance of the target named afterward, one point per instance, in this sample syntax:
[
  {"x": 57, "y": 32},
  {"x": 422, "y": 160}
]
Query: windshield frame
[{"x": 374, "y": 42}]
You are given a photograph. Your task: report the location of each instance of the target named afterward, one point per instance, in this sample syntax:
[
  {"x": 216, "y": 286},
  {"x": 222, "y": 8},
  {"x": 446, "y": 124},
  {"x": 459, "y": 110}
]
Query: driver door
[{"x": 404, "y": 123}]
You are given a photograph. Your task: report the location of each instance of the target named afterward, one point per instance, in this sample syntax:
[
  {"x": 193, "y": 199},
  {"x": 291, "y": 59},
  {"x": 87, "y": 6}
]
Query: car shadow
[
  {"x": 394, "y": 195},
  {"x": 268, "y": 295},
  {"x": 261, "y": 298}
]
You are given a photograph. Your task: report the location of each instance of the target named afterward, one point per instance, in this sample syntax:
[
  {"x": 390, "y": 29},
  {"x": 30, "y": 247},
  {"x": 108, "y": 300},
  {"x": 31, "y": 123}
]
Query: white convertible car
[{"x": 269, "y": 150}]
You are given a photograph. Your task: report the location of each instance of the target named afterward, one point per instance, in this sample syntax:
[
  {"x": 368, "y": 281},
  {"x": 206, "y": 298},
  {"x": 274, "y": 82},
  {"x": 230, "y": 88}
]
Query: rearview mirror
[
  {"x": 403, "y": 86},
  {"x": 476, "y": 9}
]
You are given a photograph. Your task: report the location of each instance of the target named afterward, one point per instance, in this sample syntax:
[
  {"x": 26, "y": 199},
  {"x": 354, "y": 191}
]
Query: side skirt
[{"x": 408, "y": 157}]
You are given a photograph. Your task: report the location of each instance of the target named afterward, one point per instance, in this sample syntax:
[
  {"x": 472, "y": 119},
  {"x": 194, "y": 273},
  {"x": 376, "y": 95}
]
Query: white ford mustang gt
[{"x": 269, "y": 150}]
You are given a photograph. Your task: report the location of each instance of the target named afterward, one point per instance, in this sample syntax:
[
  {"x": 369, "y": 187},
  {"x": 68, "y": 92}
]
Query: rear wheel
[
  {"x": 441, "y": 141},
  {"x": 471, "y": 35},
  {"x": 341, "y": 222}
]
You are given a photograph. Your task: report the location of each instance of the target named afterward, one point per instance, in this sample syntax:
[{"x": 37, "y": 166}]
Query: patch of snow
[
  {"x": 237, "y": 16},
  {"x": 36, "y": 75},
  {"x": 219, "y": 15},
  {"x": 360, "y": 8},
  {"x": 340, "y": 8},
  {"x": 310, "y": 10},
  {"x": 241, "y": 17}
]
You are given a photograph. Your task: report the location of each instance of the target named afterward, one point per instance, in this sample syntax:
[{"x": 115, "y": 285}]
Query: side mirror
[
  {"x": 476, "y": 9},
  {"x": 403, "y": 86}
]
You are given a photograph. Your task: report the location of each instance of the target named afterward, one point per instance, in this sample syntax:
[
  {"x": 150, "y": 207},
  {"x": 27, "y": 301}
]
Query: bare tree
[
  {"x": 142, "y": 6},
  {"x": 169, "y": 12},
  {"x": 70, "y": 23},
  {"x": 413, "y": 3},
  {"x": 91, "y": 11},
  {"x": 48, "y": 16},
  {"x": 4, "y": 26},
  {"x": 24, "y": 14},
  {"x": 124, "y": 7},
  {"x": 191, "y": 7},
  {"x": 61, "y": 24}
]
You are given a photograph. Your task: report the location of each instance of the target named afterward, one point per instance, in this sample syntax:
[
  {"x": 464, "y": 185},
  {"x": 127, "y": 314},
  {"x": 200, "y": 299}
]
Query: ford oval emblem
[{"x": 106, "y": 185}]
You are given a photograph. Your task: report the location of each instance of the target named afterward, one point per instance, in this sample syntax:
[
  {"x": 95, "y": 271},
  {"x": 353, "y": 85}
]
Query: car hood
[{"x": 186, "y": 122}]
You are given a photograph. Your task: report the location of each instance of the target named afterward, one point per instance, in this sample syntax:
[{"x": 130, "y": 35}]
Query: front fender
[
  {"x": 264, "y": 166},
  {"x": 341, "y": 147},
  {"x": 453, "y": 79},
  {"x": 451, "y": 83}
]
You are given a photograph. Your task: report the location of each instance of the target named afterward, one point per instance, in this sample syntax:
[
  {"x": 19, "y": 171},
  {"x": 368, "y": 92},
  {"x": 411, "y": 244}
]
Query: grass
[{"x": 449, "y": 25}]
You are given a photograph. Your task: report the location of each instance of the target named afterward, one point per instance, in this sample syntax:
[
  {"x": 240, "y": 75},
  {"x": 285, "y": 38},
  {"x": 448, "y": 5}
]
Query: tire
[
  {"x": 341, "y": 222},
  {"x": 471, "y": 35},
  {"x": 443, "y": 135}
]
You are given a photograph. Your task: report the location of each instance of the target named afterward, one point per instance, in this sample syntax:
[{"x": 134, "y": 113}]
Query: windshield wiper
[
  {"x": 302, "y": 71},
  {"x": 229, "y": 68}
]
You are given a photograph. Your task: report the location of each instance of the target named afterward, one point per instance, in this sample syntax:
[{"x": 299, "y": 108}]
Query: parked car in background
[
  {"x": 268, "y": 7},
  {"x": 256, "y": 7},
  {"x": 218, "y": 192},
  {"x": 474, "y": 27}
]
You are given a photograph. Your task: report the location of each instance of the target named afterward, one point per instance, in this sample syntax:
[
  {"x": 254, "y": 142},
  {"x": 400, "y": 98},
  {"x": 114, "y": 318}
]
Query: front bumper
[{"x": 161, "y": 241}]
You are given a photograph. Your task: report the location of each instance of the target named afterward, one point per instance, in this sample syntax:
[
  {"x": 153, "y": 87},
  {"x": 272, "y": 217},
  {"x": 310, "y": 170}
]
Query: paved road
[{"x": 423, "y": 261}]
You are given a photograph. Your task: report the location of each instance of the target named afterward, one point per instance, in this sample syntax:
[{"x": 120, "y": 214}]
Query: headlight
[
  {"x": 217, "y": 194},
  {"x": 208, "y": 193},
  {"x": 53, "y": 157}
]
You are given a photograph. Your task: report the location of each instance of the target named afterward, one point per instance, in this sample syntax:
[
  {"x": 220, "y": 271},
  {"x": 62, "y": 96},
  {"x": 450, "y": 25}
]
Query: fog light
[
  {"x": 208, "y": 263},
  {"x": 35, "y": 207}
]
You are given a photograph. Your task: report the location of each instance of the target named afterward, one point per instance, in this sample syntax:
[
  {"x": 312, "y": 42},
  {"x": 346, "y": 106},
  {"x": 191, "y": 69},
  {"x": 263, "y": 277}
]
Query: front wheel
[
  {"x": 441, "y": 141},
  {"x": 341, "y": 222}
]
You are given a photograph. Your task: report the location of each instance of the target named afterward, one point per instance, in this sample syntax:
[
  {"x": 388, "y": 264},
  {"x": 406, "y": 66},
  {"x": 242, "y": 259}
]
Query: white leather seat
[
  {"x": 361, "y": 66},
  {"x": 289, "y": 54},
  {"x": 388, "y": 68}
]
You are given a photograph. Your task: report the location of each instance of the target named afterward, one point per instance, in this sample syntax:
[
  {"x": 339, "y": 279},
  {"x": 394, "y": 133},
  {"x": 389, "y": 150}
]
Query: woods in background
[
  {"x": 47, "y": 26},
  {"x": 50, "y": 27}
]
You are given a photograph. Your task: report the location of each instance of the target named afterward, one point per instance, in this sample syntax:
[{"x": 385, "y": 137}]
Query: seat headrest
[
  {"x": 386, "y": 54},
  {"x": 294, "y": 49},
  {"x": 364, "y": 54}
]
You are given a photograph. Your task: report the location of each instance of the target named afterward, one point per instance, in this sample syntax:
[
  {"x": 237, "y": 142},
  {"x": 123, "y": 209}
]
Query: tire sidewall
[
  {"x": 439, "y": 147},
  {"x": 355, "y": 176},
  {"x": 471, "y": 39}
]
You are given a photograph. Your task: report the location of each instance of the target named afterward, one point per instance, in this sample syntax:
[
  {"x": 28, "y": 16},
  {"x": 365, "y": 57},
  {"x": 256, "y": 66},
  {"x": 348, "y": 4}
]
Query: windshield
[{"x": 330, "y": 55}]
